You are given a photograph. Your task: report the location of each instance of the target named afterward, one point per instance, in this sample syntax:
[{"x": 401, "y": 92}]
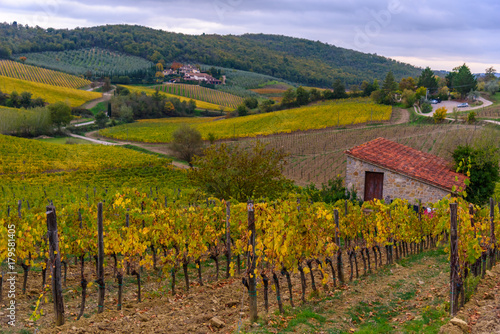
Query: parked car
[
  {"x": 434, "y": 101},
  {"x": 463, "y": 105}
]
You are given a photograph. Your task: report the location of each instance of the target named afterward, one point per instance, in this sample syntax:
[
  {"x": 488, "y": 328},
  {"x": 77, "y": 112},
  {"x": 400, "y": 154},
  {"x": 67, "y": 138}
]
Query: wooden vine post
[
  {"x": 228, "y": 237},
  {"x": 100, "y": 267},
  {"x": 340, "y": 266},
  {"x": 492, "y": 250},
  {"x": 252, "y": 279},
  {"x": 55, "y": 263},
  {"x": 454, "y": 276}
]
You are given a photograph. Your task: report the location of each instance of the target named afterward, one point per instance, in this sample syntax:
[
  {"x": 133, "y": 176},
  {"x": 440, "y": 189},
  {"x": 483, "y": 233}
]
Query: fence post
[
  {"x": 228, "y": 237},
  {"x": 340, "y": 266},
  {"x": 252, "y": 291},
  {"x": 100, "y": 272},
  {"x": 55, "y": 261},
  {"x": 492, "y": 251},
  {"x": 454, "y": 275}
]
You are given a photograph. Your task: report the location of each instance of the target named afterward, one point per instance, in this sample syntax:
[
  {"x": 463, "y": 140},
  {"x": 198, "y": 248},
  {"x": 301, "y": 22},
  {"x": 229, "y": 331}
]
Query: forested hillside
[{"x": 293, "y": 59}]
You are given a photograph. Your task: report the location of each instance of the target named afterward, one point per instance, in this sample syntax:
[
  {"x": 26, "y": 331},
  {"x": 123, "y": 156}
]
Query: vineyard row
[{"x": 285, "y": 237}]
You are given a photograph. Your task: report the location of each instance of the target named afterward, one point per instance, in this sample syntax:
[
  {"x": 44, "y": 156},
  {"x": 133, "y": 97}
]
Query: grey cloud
[{"x": 425, "y": 29}]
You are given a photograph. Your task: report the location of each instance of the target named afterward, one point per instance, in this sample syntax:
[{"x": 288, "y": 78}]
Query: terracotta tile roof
[{"x": 406, "y": 160}]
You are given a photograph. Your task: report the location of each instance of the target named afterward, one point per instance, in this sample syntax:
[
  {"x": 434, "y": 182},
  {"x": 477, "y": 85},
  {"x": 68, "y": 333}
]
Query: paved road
[
  {"x": 453, "y": 104},
  {"x": 102, "y": 142}
]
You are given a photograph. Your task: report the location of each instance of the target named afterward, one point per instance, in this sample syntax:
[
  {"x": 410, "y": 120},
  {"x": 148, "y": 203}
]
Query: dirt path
[
  {"x": 156, "y": 148},
  {"x": 482, "y": 313},
  {"x": 96, "y": 141},
  {"x": 408, "y": 296},
  {"x": 402, "y": 290},
  {"x": 105, "y": 97}
]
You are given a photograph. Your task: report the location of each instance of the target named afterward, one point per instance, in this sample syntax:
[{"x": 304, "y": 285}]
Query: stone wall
[{"x": 395, "y": 185}]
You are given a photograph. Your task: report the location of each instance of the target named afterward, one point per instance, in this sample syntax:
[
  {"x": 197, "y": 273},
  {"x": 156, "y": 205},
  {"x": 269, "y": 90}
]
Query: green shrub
[{"x": 426, "y": 108}]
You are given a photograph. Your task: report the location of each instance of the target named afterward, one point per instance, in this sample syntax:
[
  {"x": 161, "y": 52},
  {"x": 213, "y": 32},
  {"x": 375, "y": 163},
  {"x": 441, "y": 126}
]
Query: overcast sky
[{"x": 441, "y": 34}]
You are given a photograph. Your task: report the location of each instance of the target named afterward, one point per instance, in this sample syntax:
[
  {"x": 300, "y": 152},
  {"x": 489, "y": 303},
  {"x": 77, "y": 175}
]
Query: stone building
[{"x": 387, "y": 170}]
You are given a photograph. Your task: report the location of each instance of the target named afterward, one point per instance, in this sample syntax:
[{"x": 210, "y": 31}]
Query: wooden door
[{"x": 374, "y": 185}]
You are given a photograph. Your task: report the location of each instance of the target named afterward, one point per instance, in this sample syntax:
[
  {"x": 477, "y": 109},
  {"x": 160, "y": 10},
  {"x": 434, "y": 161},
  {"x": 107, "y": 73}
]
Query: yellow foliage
[
  {"x": 440, "y": 114},
  {"x": 49, "y": 93},
  {"x": 17, "y": 70},
  {"x": 317, "y": 116},
  {"x": 20, "y": 155}
]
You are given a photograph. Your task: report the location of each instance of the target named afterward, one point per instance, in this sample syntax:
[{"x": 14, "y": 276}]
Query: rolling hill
[
  {"x": 36, "y": 74},
  {"x": 293, "y": 59}
]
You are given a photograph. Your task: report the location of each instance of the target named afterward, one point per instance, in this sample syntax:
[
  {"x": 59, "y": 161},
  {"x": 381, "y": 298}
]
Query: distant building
[
  {"x": 189, "y": 69},
  {"x": 201, "y": 77},
  {"x": 384, "y": 169},
  {"x": 168, "y": 72}
]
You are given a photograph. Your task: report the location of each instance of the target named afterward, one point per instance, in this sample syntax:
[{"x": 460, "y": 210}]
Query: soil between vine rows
[{"x": 406, "y": 288}]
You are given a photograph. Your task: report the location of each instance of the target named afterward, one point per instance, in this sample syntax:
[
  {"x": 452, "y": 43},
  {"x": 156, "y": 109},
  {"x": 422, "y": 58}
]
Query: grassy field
[
  {"x": 17, "y": 70},
  {"x": 199, "y": 104},
  {"x": 27, "y": 121},
  {"x": 47, "y": 92},
  {"x": 99, "y": 61},
  {"x": 203, "y": 94},
  {"x": 317, "y": 116}
]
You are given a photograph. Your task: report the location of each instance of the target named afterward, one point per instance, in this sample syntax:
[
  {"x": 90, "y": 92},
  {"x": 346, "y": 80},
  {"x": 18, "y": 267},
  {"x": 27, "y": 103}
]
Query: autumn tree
[
  {"x": 407, "y": 83},
  {"x": 156, "y": 57},
  {"x": 409, "y": 98},
  {"x": 420, "y": 93},
  {"x": 439, "y": 115},
  {"x": 175, "y": 66},
  {"x": 232, "y": 172},
  {"x": 169, "y": 108},
  {"x": 22, "y": 59},
  {"x": 186, "y": 143}
]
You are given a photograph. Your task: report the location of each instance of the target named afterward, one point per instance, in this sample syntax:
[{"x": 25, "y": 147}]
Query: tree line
[
  {"x": 127, "y": 107},
  {"x": 293, "y": 59},
  {"x": 23, "y": 100}
]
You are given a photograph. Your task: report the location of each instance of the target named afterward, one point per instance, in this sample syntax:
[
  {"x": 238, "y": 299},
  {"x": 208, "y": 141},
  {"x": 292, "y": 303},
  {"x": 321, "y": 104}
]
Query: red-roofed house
[{"x": 387, "y": 170}]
